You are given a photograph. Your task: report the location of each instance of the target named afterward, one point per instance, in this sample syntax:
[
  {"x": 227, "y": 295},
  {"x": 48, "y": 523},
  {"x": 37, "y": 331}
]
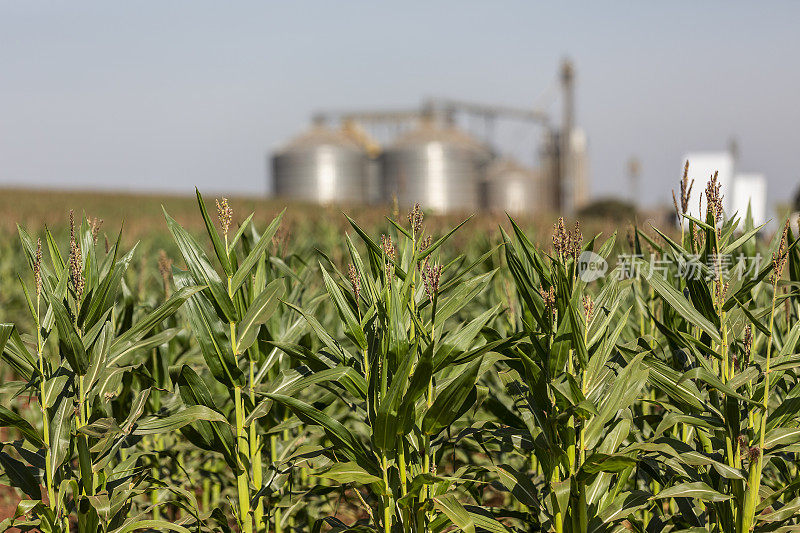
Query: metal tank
[
  {"x": 512, "y": 188},
  {"x": 439, "y": 167},
  {"x": 322, "y": 166}
]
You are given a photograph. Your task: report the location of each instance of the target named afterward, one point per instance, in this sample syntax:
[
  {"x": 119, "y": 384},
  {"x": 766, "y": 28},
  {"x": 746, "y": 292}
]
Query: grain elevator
[{"x": 434, "y": 155}]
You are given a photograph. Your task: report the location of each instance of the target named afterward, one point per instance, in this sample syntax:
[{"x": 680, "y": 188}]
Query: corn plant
[
  {"x": 226, "y": 319},
  {"x": 569, "y": 394},
  {"x": 727, "y": 381},
  {"x": 399, "y": 383},
  {"x": 81, "y": 364},
  {"x": 403, "y": 373}
]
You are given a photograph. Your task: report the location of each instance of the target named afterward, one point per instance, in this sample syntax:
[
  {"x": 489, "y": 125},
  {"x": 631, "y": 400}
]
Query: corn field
[{"x": 396, "y": 382}]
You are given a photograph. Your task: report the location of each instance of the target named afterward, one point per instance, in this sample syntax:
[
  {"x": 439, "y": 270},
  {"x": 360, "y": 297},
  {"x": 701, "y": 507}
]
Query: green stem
[
  {"x": 255, "y": 455},
  {"x": 426, "y": 460},
  {"x": 388, "y": 504},
  {"x": 558, "y": 519},
  {"x": 81, "y": 402},
  {"x": 242, "y": 486},
  {"x": 206, "y": 496},
  {"x": 154, "y": 472},
  {"x": 48, "y": 467},
  {"x": 242, "y": 448},
  {"x": 401, "y": 465},
  {"x": 752, "y": 498},
  {"x": 273, "y": 453}
]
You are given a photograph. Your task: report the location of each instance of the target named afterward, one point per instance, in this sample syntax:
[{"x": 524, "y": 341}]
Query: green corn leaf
[
  {"x": 290, "y": 382},
  {"x": 452, "y": 508},
  {"x": 599, "y": 359},
  {"x": 20, "y": 476},
  {"x": 155, "y": 424},
  {"x": 59, "y": 265},
  {"x": 210, "y": 335},
  {"x": 260, "y": 310},
  {"x": 695, "y": 489},
  {"x": 601, "y": 462},
  {"x": 97, "y": 355},
  {"x": 84, "y": 462},
  {"x": 463, "y": 338},
  {"x": 201, "y": 269},
  {"x": 353, "y": 328},
  {"x": 60, "y": 291},
  {"x": 561, "y": 348},
  {"x": 334, "y": 346},
  {"x": 440, "y": 241},
  {"x": 611, "y": 442},
  {"x": 746, "y": 236},
  {"x": 786, "y": 412},
  {"x": 461, "y": 296},
  {"x": 677, "y": 301},
  {"x": 485, "y": 521},
  {"x": 150, "y": 525},
  {"x": 15, "y": 354},
  {"x": 624, "y": 504},
  {"x": 375, "y": 249},
  {"x": 337, "y": 432},
  {"x": 349, "y": 472},
  {"x": 145, "y": 324},
  {"x": 448, "y": 405},
  {"x": 242, "y": 227},
  {"x": 518, "y": 483},
  {"x": 214, "y": 435},
  {"x": 104, "y": 297},
  {"x": 315, "y": 360},
  {"x": 423, "y": 370},
  {"x": 562, "y": 492},
  {"x": 10, "y": 419},
  {"x": 31, "y": 306},
  {"x": 387, "y": 425},
  {"x": 142, "y": 346},
  {"x": 135, "y": 410},
  {"x": 243, "y": 273},
  {"x": 60, "y": 424},
  {"x": 624, "y": 390},
  {"x": 29, "y": 248},
  {"x": 219, "y": 248},
  {"x": 68, "y": 336}
]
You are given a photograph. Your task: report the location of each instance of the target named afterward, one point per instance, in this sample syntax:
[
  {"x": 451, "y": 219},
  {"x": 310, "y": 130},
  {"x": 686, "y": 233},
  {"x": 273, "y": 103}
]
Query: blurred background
[{"x": 493, "y": 106}]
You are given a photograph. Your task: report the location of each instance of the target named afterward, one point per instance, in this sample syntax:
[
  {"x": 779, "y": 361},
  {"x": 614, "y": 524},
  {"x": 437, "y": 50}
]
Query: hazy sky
[{"x": 168, "y": 95}]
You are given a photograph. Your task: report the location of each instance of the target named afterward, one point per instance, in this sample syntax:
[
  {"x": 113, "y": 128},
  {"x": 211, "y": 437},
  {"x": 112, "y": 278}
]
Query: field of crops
[{"x": 218, "y": 371}]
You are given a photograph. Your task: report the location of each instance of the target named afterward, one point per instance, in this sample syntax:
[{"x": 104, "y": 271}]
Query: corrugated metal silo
[
  {"x": 512, "y": 188},
  {"x": 439, "y": 167},
  {"x": 321, "y": 166}
]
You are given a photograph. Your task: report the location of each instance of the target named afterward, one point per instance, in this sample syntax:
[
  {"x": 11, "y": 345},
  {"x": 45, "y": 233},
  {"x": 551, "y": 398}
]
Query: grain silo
[
  {"x": 512, "y": 188},
  {"x": 439, "y": 167},
  {"x": 323, "y": 166}
]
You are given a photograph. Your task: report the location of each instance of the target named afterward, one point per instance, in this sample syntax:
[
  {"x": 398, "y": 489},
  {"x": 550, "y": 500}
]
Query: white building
[
  {"x": 737, "y": 190},
  {"x": 750, "y": 189},
  {"x": 702, "y": 166}
]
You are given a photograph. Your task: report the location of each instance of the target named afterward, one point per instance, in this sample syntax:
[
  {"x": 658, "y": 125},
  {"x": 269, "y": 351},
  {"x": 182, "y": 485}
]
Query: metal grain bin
[
  {"x": 322, "y": 166},
  {"x": 441, "y": 168},
  {"x": 512, "y": 188}
]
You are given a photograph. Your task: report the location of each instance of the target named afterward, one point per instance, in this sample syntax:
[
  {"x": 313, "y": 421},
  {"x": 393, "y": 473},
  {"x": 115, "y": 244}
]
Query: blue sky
[{"x": 168, "y": 95}]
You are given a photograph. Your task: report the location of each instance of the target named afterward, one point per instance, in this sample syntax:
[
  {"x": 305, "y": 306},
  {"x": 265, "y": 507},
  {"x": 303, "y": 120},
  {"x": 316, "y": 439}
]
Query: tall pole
[
  {"x": 634, "y": 171},
  {"x": 566, "y": 185},
  {"x": 733, "y": 149}
]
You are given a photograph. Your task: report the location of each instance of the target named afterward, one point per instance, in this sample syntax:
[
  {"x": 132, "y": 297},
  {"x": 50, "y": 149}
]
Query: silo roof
[
  {"x": 428, "y": 132},
  {"x": 321, "y": 135}
]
